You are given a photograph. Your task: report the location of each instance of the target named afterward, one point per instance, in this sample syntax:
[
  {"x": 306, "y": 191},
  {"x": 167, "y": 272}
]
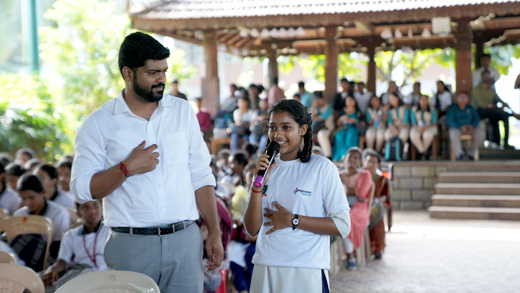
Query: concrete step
[
  {"x": 479, "y": 177},
  {"x": 496, "y": 154},
  {"x": 459, "y": 200},
  {"x": 478, "y": 188},
  {"x": 483, "y": 166},
  {"x": 486, "y": 213}
]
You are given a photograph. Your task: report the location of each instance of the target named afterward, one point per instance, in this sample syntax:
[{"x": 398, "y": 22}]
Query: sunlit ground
[{"x": 436, "y": 255}]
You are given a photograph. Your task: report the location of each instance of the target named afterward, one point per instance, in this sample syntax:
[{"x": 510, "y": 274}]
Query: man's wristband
[{"x": 124, "y": 170}]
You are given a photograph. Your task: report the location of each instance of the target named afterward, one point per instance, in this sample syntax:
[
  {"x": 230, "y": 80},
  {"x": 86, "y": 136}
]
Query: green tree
[
  {"x": 28, "y": 117},
  {"x": 501, "y": 57},
  {"x": 82, "y": 50},
  {"x": 412, "y": 62}
]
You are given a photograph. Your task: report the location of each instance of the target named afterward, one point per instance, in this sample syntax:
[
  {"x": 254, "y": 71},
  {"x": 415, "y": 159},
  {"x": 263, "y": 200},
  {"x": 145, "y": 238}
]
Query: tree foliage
[
  {"x": 411, "y": 62},
  {"x": 28, "y": 117},
  {"x": 501, "y": 57}
]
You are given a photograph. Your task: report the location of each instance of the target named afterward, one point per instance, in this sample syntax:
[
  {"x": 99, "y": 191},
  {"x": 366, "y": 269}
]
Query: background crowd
[{"x": 357, "y": 130}]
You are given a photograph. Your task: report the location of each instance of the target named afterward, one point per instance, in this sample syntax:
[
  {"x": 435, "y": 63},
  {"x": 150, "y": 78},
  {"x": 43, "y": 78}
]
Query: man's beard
[{"x": 148, "y": 95}]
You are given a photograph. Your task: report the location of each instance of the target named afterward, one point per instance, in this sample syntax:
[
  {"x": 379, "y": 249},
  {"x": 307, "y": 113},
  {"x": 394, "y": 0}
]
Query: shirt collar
[
  {"x": 43, "y": 211},
  {"x": 84, "y": 230},
  {"x": 121, "y": 107}
]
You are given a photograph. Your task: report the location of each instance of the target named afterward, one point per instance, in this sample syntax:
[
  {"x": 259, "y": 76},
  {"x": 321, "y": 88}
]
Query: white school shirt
[
  {"x": 445, "y": 100},
  {"x": 162, "y": 196},
  {"x": 72, "y": 250},
  {"x": 57, "y": 214},
  {"x": 310, "y": 189},
  {"x": 10, "y": 200},
  {"x": 477, "y": 75},
  {"x": 64, "y": 200},
  {"x": 363, "y": 99}
]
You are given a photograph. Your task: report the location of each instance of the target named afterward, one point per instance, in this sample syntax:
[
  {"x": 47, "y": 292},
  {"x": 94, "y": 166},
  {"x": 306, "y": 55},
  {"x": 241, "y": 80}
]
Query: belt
[{"x": 162, "y": 230}]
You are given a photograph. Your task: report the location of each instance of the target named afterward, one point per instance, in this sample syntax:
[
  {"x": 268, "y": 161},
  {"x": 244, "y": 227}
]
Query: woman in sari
[
  {"x": 358, "y": 187},
  {"x": 381, "y": 202}
]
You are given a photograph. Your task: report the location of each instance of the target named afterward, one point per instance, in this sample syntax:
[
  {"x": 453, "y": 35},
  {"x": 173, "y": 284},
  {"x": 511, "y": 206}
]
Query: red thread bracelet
[
  {"x": 124, "y": 170},
  {"x": 256, "y": 191}
]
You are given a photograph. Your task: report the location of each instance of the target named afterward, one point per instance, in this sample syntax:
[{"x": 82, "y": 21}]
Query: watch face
[{"x": 295, "y": 222}]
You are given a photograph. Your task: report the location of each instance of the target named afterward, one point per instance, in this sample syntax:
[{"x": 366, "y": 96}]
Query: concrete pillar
[
  {"x": 479, "y": 51},
  {"x": 210, "y": 83},
  {"x": 331, "y": 65},
  {"x": 464, "y": 57},
  {"x": 371, "y": 70}
]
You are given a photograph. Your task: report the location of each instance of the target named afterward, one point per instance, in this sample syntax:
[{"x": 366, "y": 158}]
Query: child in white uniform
[{"x": 296, "y": 210}]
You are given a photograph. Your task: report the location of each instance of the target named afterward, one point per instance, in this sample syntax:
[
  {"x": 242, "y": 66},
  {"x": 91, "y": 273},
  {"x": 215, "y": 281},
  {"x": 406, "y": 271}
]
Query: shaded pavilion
[{"x": 269, "y": 28}]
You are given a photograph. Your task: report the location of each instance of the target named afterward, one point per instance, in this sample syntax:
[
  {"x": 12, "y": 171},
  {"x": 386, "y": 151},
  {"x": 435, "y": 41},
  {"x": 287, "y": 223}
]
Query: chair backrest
[
  {"x": 4, "y": 214},
  {"x": 75, "y": 220},
  {"x": 110, "y": 280},
  {"x": 6, "y": 257},
  {"x": 19, "y": 278},
  {"x": 30, "y": 224}
]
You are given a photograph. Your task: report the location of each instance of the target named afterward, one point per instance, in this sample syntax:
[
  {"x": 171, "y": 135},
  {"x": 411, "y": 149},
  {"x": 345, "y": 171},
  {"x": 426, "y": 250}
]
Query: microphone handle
[{"x": 259, "y": 180}]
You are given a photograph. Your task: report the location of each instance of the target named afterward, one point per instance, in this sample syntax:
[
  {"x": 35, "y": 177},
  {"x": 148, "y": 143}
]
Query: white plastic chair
[
  {"x": 6, "y": 257},
  {"x": 105, "y": 281},
  {"x": 30, "y": 224},
  {"x": 17, "y": 278}
]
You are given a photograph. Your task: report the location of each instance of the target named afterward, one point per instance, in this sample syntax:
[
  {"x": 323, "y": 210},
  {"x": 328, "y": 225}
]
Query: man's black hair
[
  {"x": 137, "y": 48},
  {"x": 15, "y": 169},
  {"x": 301, "y": 84}
]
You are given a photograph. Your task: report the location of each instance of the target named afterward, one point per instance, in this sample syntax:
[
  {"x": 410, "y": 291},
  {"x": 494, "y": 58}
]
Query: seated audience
[
  {"x": 397, "y": 119},
  {"x": 485, "y": 99},
  {"x": 237, "y": 163},
  {"x": 64, "y": 167},
  {"x": 392, "y": 90},
  {"x": 242, "y": 118},
  {"x": 9, "y": 199},
  {"x": 462, "y": 118},
  {"x": 380, "y": 205},
  {"x": 35, "y": 203},
  {"x": 306, "y": 98},
  {"x": 23, "y": 155},
  {"x": 424, "y": 126},
  {"x": 322, "y": 122},
  {"x": 258, "y": 126},
  {"x": 362, "y": 96},
  {"x": 204, "y": 119},
  {"x": 442, "y": 100},
  {"x": 242, "y": 246},
  {"x": 13, "y": 172},
  {"x": 48, "y": 175},
  {"x": 81, "y": 249},
  {"x": 376, "y": 125},
  {"x": 347, "y": 134},
  {"x": 412, "y": 100},
  {"x": 358, "y": 187}
]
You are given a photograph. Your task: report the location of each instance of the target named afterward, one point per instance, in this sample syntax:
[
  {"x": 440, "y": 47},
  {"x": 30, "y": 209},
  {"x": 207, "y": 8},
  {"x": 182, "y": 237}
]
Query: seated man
[
  {"x": 484, "y": 99},
  {"x": 463, "y": 119},
  {"x": 81, "y": 249}
]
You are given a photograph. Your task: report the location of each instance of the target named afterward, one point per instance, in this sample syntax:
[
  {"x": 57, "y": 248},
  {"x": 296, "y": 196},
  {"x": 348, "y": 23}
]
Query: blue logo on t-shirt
[{"x": 302, "y": 192}]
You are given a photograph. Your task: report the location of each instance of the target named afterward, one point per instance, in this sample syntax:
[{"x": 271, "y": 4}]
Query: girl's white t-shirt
[{"x": 310, "y": 189}]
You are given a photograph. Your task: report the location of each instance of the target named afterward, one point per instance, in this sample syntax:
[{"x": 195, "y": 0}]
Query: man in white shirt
[
  {"x": 362, "y": 97},
  {"x": 145, "y": 157},
  {"x": 485, "y": 60}
]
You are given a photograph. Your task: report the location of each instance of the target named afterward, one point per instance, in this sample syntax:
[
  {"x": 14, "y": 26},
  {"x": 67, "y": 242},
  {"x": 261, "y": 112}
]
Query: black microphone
[{"x": 272, "y": 150}]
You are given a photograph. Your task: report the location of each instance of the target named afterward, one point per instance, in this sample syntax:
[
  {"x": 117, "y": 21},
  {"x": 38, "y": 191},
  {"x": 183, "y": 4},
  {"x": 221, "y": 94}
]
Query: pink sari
[{"x": 359, "y": 211}]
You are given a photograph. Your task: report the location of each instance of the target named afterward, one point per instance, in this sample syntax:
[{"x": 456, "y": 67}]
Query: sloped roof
[
  {"x": 358, "y": 22},
  {"x": 203, "y": 9}
]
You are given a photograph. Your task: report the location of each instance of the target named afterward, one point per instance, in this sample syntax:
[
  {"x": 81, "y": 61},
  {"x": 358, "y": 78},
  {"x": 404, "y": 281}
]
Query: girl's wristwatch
[{"x": 295, "y": 221}]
